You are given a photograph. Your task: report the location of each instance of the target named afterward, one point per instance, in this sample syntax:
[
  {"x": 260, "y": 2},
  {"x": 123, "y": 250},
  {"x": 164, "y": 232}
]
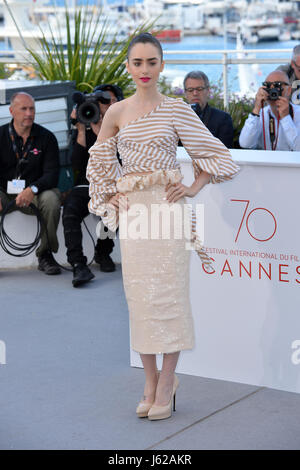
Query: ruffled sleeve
[
  {"x": 103, "y": 170},
  {"x": 207, "y": 152}
]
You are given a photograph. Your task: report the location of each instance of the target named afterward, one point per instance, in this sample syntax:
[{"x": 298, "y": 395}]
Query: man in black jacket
[
  {"x": 76, "y": 203},
  {"x": 29, "y": 168},
  {"x": 219, "y": 123}
]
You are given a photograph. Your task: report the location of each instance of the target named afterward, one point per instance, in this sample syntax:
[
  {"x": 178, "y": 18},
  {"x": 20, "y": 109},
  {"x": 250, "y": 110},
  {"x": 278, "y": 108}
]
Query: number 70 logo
[{"x": 246, "y": 218}]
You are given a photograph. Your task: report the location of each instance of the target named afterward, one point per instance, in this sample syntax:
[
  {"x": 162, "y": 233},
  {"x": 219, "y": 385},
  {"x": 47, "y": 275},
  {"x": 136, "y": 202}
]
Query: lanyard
[
  {"x": 272, "y": 130},
  {"x": 24, "y": 150},
  {"x": 272, "y": 127}
]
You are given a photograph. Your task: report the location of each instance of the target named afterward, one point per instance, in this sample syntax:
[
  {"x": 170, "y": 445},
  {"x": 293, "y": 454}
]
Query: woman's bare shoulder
[
  {"x": 111, "y": 121},
  {"x": 115, "y": 111},
  {"x": 119, "y": 106}
]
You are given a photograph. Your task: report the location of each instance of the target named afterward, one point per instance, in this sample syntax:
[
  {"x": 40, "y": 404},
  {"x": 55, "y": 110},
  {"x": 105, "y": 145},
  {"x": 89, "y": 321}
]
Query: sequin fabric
[{"x": 155, "y": 271}]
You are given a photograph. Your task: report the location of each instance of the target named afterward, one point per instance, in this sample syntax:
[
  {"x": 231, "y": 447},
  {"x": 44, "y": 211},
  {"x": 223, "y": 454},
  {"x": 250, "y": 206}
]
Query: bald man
[
  {"x": 29, "y": 167},
  {"x": 274, "y": 124}
]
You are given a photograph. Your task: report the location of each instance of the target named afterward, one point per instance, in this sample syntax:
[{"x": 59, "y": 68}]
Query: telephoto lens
[
  {"x": 88, "y": 112},
  {"x": 87, "y": 106}
]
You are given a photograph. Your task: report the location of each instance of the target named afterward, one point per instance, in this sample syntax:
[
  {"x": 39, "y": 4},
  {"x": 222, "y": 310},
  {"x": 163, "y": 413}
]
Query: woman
[{"x": 145, "y": 129}]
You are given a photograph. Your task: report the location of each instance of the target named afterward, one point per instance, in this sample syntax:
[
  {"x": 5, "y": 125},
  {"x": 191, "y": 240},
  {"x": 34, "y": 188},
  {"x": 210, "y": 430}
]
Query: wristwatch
[{"x": 34, "y": 189}]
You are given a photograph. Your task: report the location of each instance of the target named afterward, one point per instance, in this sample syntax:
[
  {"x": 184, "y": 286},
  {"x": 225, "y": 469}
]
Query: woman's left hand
[{"x": 177, "y": 191}]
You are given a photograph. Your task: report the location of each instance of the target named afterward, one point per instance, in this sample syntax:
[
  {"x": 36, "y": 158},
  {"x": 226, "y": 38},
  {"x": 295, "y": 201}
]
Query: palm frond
[{"x": 87, "y": 57}]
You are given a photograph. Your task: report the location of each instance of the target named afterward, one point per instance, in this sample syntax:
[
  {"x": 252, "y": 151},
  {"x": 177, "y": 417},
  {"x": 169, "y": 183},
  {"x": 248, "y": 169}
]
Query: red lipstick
[{"x": 145, "y": 79}]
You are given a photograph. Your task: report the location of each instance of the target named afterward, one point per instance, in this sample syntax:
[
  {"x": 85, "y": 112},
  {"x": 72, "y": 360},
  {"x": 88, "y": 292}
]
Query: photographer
[
  {"x": 277, "y": 125},
  {"x": 76, "y": 204}
]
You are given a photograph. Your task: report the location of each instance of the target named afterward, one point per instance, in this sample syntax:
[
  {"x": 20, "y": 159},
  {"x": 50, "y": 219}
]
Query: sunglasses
[{"x": 275, "y": 84}]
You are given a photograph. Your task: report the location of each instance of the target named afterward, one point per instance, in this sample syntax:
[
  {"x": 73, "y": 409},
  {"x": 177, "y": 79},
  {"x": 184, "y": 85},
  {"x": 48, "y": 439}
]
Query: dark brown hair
[{"x": 145, "y": 38}]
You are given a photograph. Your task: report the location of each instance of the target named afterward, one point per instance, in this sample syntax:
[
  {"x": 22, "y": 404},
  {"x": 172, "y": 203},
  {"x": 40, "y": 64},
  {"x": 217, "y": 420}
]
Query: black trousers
[{"x": 75, "y": 210}]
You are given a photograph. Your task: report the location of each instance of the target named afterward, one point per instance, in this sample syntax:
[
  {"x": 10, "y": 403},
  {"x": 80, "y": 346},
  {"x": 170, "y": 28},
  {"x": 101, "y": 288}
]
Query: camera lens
[
  {"x": 274, "y": 93},
  {"x": 88, "y": 112}
]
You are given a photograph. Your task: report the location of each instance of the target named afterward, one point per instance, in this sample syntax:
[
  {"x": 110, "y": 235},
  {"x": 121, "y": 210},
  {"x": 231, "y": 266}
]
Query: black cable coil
[{"x": 21, "y": 249}]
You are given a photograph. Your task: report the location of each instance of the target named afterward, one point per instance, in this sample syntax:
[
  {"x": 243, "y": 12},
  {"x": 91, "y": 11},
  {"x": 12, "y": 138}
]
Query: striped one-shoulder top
[{"x": 149, "y": 143}]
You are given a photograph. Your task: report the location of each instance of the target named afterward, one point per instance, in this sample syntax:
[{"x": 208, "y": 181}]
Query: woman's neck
[{"x": 148, "y": 95}]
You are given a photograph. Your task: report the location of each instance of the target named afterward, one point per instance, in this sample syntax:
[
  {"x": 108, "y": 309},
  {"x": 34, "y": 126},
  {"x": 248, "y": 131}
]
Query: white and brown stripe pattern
[
  {"x": 149, "y": 143},
  {"x": 103, "y": 170}
]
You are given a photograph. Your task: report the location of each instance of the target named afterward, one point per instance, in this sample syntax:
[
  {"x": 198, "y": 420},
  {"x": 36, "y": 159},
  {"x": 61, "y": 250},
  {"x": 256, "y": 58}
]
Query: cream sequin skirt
[{"x": 155, "y": 265}]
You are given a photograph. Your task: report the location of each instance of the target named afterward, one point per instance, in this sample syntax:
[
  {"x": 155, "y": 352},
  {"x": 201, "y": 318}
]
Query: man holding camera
[
  {"x": 76, "y": 203},
  {"x": 277, "y": 125}
]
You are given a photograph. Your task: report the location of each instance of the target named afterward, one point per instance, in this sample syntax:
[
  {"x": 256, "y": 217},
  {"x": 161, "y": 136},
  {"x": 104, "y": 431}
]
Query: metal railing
[{"x": 225, "y": 59}]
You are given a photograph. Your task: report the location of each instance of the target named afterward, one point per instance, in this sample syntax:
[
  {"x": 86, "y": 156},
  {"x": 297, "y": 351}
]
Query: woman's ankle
[
  {"x": 164, "y": 390},
  {"x": 150, "y": 388}
]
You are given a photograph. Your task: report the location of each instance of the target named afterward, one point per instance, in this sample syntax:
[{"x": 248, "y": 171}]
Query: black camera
[
  {"x": 274, "y": 93},
  {"x": 87, "y": 107}
]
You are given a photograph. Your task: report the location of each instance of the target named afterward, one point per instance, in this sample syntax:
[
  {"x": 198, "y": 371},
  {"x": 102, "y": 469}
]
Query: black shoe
[
  {"x": 106, "y": 263},
  {"x": 48, "y": 264},
  {"x": 81, "y": 274}
]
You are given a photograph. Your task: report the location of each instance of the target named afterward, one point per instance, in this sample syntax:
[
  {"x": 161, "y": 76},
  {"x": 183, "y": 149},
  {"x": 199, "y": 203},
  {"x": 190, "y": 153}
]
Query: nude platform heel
[
  {"x": 163, "y": 412},
  {"x": 142, "y": 409}
]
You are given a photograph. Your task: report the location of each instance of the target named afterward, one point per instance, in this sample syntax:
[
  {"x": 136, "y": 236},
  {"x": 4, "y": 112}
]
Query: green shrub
[
  {"x": 238, "y": 107},
  {"x": 88, "y": 60},
  {"x": 4, "y": 72}
]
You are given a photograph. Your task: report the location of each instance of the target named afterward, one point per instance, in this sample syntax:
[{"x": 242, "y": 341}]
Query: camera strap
[
  {"x": 272, "y": 127},
  {"x": 272, "y": 131}
]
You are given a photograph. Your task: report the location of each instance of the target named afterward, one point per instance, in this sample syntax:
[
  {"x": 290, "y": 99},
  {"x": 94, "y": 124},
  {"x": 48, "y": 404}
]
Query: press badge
[{"x": 15, "y": 186}]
